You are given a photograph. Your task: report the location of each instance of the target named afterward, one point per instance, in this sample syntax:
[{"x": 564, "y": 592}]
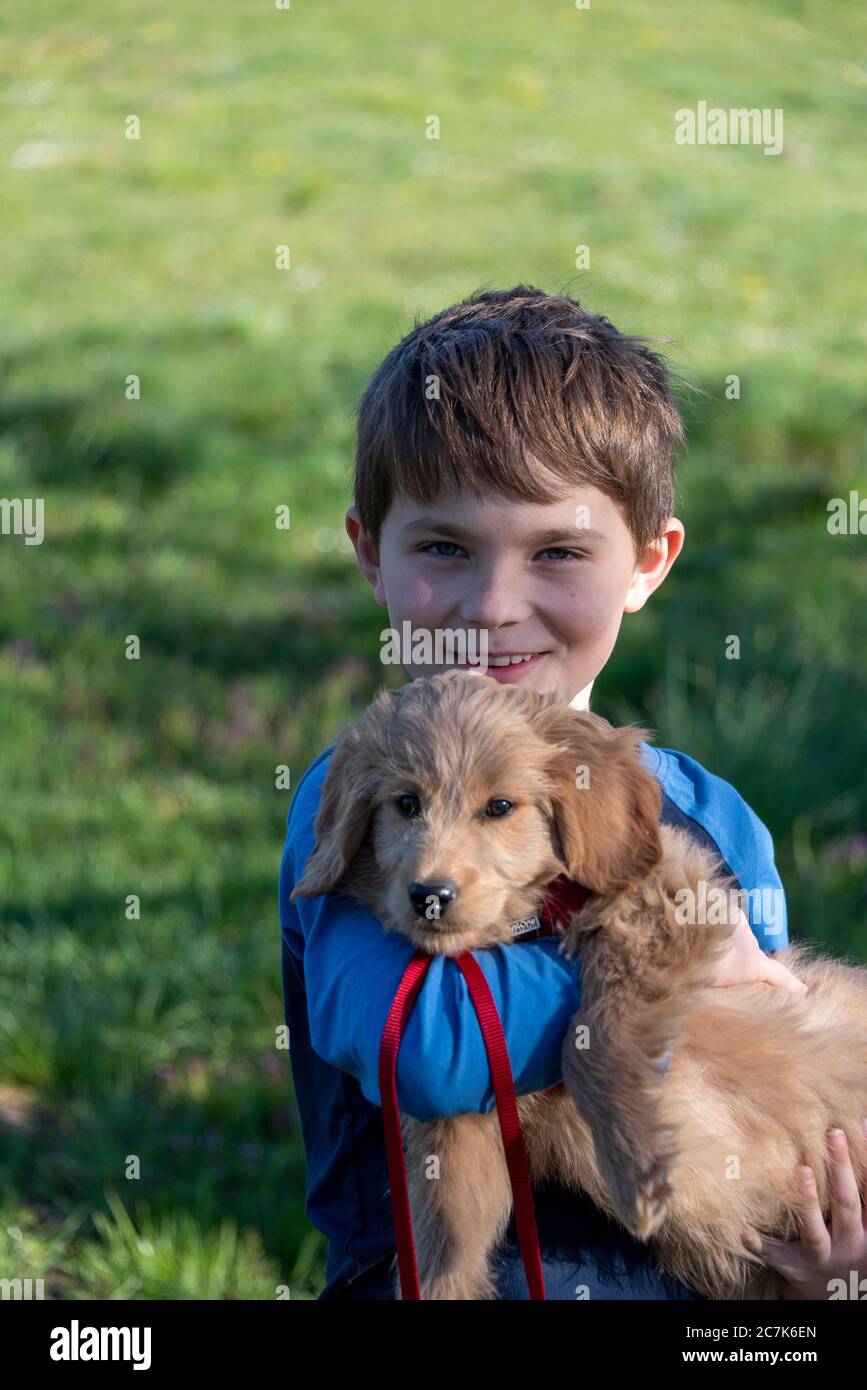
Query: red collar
[{"x": 563, "y": 897}]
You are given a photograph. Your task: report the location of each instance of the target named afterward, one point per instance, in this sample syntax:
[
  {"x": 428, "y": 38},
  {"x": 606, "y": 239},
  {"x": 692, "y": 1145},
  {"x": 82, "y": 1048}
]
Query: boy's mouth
[{"x": 508, "y": 667}]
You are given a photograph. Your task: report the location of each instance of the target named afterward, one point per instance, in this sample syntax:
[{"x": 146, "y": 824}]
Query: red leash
[
  {"x": 564, "y": 898},
  {"x": 398, "y": 1015},
  {"x": 507, "y": 1113}
]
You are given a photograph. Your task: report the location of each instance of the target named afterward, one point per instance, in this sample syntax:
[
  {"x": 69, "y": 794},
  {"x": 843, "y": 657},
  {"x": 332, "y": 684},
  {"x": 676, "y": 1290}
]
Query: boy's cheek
[{"x": 415, "y": 593}]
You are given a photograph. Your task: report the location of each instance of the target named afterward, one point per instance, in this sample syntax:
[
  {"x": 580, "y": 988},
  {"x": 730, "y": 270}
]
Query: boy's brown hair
[{"x": 464, "y": 398}]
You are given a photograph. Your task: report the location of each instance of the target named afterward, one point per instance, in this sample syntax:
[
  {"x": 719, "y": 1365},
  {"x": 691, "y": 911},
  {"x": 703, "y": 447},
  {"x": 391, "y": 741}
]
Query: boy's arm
[
  {"x": 352, "y": 969},
  {"x": 745, "y": 843}
]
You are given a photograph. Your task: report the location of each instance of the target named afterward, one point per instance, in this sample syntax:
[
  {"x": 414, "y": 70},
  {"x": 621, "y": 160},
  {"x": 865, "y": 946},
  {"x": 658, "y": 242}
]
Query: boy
[{"x": 514, "y": 476}]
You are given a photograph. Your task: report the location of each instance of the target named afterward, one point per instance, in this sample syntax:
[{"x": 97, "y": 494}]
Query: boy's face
[{"x": 546, "y": 580}]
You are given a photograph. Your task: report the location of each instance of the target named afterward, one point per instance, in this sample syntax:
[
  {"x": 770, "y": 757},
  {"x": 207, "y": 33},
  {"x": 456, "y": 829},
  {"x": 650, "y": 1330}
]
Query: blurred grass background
[{"x": 155, "y": 257}]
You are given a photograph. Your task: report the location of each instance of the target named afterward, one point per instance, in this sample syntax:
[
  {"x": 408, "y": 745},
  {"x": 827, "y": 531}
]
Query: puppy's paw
[
  {"x": 652, "y": 1196},
  {"x": 640, "y": 1189}
]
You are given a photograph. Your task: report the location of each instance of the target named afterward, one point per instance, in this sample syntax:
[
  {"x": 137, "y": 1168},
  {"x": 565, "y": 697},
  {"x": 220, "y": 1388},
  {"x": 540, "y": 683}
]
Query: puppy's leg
[
  {"x": 614, "y": 1079},
  {"x": 461, "y": 1202}
]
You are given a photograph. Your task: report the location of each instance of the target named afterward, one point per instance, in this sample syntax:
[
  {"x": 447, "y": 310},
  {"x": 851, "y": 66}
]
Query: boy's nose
[{"x": 432, "y": 899}]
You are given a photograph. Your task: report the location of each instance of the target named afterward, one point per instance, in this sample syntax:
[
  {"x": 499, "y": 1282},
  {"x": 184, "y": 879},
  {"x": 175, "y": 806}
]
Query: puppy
[{"x": 447, "y": 809}]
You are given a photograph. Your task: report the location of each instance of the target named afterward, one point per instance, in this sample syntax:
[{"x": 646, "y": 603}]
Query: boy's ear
[
  {"x": 606, "y": 804},
  {"x": 346, "y": 803}
]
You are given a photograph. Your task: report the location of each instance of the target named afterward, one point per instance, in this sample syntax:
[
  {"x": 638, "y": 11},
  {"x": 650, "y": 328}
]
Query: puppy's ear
[
  {"x": 606, "y": 804},
  {"x": 346, "y": 803}
]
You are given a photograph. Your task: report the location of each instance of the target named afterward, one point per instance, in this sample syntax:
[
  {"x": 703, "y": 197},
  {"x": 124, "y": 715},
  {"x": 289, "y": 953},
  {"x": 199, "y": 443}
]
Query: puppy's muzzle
[{"x": 432, "y": 900}]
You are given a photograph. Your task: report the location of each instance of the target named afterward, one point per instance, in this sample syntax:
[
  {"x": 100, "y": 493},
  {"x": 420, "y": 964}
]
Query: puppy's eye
[
  {"x": 408, "y": 805},
  {"x": 499, "y": 807}
]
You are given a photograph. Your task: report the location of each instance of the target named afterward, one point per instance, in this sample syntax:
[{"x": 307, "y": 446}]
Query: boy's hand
[
  {"x": 810, "y": 1263},
  {"x": 745, "y": 963}
]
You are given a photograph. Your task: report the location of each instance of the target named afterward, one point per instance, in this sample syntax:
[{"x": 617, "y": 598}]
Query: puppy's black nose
[{"x": 432, "y": 899}]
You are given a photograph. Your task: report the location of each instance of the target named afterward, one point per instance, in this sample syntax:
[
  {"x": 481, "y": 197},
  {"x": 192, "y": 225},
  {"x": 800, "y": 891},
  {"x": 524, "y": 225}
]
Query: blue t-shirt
[{"x": 340, "y": 975}]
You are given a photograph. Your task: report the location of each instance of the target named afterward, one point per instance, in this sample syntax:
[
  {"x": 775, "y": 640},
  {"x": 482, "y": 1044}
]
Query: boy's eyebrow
[{"x": 551, "y": 537}]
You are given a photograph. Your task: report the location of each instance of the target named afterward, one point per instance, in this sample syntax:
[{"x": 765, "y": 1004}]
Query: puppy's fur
[{"x": 681, "y": 1158}]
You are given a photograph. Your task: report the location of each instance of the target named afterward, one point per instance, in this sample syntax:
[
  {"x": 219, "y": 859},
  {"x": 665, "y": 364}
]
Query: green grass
[{"x": 155, "y": 1037}]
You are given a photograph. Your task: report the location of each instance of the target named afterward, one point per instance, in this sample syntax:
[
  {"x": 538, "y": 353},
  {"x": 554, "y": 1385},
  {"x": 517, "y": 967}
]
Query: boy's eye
[
  {"x": 499, "y": 806},
  {"x": 559, "y": 550},
  {"x": 434, "y": 544},
  {"x": 447, "y": 550},
  {"x": 408, "y": 805}
]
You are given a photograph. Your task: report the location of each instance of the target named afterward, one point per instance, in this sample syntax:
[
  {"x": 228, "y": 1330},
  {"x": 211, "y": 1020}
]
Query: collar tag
[{"x": 524, "y": 925}]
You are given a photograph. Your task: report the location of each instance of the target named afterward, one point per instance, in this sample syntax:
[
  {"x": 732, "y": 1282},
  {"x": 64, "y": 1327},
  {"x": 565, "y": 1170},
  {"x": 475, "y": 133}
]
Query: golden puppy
[{"x": 446, "y": 809}]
